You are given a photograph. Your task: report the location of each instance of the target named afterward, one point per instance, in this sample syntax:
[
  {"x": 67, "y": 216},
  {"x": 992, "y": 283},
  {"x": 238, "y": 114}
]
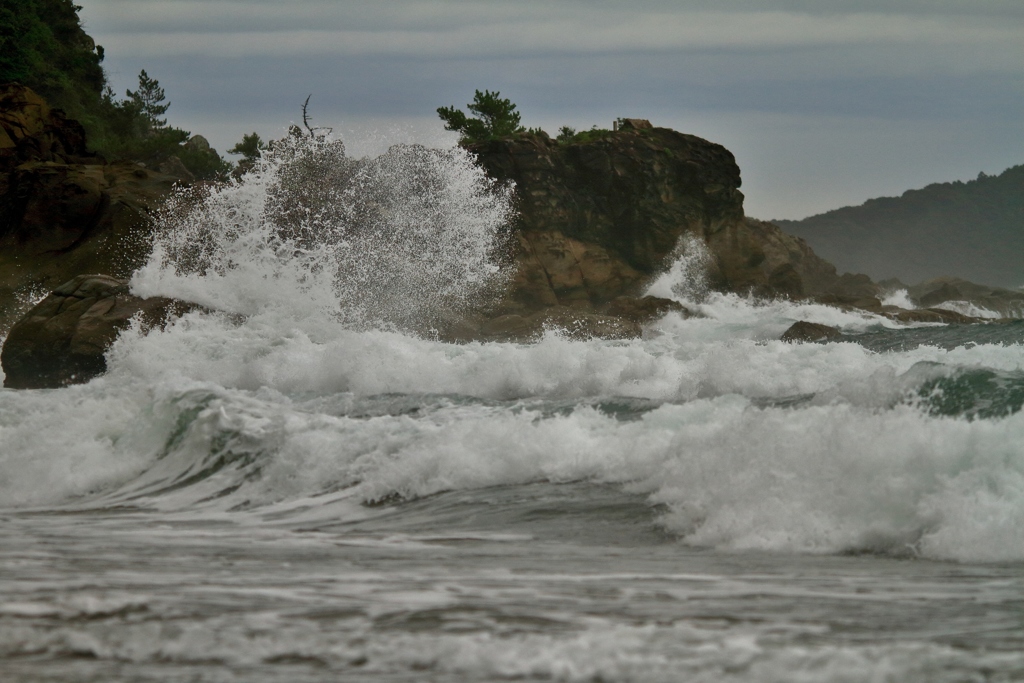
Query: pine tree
[
  {"x": 496, "y": 117},
  {"x": 148, "y": 99},
  {"x": 250, "y": 147}
]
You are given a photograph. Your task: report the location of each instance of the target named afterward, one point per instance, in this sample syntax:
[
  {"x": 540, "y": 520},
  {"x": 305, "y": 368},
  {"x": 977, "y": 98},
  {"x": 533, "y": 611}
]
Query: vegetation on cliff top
[
  {"x": 495, "y": 117},
  {"x": 973, "y": 230},
  {"x": 43, "y": 46}
]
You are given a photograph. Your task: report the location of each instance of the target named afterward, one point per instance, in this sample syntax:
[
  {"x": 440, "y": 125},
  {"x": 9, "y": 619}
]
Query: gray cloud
[
  {"x": 823, "y": 75},
  {"x": 454, "y": 29}
]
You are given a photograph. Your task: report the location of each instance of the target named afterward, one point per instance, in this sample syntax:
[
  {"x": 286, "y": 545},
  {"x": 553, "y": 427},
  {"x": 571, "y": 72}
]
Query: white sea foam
[
  {"x": 854, "y": 465},
  {"x": 686, "y": 282},
  {"x": 686, "y": 278},
  {"x": 597, "y": 649}
]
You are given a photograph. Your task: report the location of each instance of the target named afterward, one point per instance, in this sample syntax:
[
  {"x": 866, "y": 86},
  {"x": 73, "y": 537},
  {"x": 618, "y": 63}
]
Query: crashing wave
[{"x": 391, "y": 241}]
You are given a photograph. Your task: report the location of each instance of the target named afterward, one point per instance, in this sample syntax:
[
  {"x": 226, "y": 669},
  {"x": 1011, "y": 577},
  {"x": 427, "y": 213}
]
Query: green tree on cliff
[
  {"x": 251, "y": 148},
  {"x": 495, "y": 117},
  {"x": 133, "y": 128},
  {"x": 43, "y": 46},
  {"x": 148, "y": 100}
]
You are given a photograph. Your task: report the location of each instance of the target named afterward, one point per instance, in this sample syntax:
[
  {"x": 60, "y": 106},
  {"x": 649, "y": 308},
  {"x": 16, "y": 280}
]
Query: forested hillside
[
  {"x": 972, "y": 230},
  {"x": 43, "y": 46}
]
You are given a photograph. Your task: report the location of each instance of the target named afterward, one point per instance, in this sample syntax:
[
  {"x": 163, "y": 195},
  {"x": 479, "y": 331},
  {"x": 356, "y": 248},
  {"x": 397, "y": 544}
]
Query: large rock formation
[
  {"x": 598, "y": 218},
  {"x": 64, "y": 211},
  {"x": 803, "y": 331},
  {"x": 62, "y": 340}
]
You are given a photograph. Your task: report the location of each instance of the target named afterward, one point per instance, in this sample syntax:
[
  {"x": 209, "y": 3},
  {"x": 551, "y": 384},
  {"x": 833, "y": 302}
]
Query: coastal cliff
[
  {"x": 597, "y": 219},
  {"x": 64, "y": 211}
]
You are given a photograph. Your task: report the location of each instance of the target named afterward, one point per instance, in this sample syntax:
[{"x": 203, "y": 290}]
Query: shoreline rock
[
  {"x": 803, "y": 331},
  {"x": 62, "y": 339},
  {"x": 63, "y": 210},
  {"x": 601, "y": 218}
]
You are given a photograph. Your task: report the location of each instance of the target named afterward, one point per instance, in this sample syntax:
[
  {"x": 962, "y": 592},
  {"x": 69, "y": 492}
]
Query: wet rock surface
[
  {"x": 1008, "y": 303},
  {"x": 62, "y": 340},
  {"x": 803, "y": 331},
  {"x": 598, "y": 219}
]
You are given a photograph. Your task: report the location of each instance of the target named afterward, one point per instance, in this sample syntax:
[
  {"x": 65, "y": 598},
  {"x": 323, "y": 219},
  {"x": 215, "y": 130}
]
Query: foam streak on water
[{"x": 306, "y": 486}]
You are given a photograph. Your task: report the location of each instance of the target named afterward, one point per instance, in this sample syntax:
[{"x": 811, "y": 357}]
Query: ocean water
[{"x": 307, "y": 485}]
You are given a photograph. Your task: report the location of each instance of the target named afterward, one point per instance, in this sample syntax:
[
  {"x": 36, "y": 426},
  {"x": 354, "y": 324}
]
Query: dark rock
[
  {"x": 63, "y": 339},
  {"x": 577, "y": 325},
  {"x": 945, "y": 292},
  {"x": 599, "y": 218},
  {"x": 31, "y": 131},
  {"x": 802, "y": 331},
  {"x": 52, "y": 206},
  {"x": 634, "y": 124},
  {"x": 197, "y": 143},
  {"x": 856, "y": 290},
  {"x": 553, "y": 269},
  {"x": 757, "y": 257},
  {"x": 786, "y": 281},
  {"x": 173, "y": 166},
  {"x": 644, "y": 309},
  {"x": 64, "y": 211},
  {"x": 510, "y": 327},
  {"x": 623, "y": 318}
]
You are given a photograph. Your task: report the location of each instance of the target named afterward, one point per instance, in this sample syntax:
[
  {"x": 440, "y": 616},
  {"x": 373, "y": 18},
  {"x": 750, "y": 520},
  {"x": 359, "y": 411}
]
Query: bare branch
[
  {"x": 307, "y": 120},
  {"x": 305, "y": 115}
]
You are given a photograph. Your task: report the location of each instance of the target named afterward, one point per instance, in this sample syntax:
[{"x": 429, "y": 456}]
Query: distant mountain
[{"x": 972, "y": 230}]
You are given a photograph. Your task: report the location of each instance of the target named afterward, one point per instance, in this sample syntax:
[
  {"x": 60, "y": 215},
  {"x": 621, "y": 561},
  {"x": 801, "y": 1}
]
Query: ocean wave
[{"x": 818, "y": 476}]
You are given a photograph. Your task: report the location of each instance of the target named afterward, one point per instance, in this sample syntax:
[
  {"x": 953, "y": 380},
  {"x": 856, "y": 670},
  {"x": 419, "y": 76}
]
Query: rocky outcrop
[
  {"x": 600, "y": 217},
  {"x": 63, "y": 339},
  {"x": 927, "y": 315},
  {"x": 64, "y": 211},
  {"x": 30, "y": 130}
]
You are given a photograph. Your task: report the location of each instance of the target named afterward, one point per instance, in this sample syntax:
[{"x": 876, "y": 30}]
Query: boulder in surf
[
  {"x": 63, "y": 339},
  {"x": 803, "y": 331}
]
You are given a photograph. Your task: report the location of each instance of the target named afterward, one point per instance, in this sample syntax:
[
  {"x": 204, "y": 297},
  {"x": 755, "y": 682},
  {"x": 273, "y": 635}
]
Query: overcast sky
[{"x": 825, "y": 103}]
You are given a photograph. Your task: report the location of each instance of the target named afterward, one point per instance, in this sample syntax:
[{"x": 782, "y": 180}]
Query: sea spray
[
  {"x": 898, "y": 297},
  {"x": 686, "y": 280},
  {"x": 394, "y": 241}
]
